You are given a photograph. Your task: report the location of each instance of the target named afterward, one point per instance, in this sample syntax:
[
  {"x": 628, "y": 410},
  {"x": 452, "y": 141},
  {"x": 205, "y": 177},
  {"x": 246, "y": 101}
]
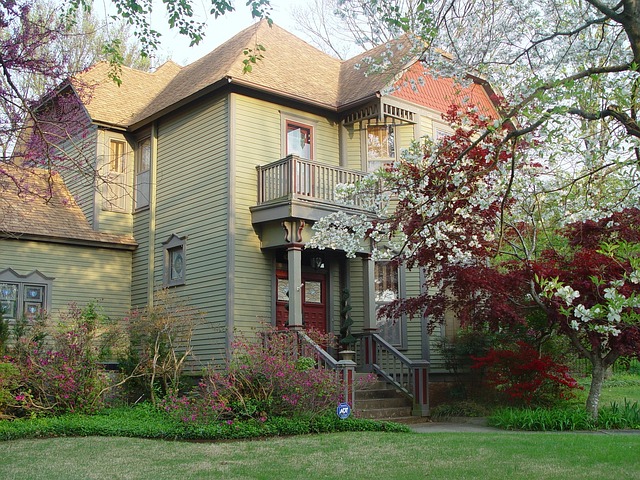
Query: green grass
[
  {"x": 352, "y": 455},
  {"x": 617, "y": 389}
]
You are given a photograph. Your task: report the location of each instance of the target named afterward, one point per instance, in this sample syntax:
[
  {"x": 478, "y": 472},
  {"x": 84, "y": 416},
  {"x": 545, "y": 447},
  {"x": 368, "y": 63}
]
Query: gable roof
[
  {"x": 45, "y": 210},
  {"x": 290, "y": 68},
  {"x": 113, "y": 104}
]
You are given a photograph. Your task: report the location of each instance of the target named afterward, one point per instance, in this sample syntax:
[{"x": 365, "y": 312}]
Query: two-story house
[{"x": 211, "y": 179}]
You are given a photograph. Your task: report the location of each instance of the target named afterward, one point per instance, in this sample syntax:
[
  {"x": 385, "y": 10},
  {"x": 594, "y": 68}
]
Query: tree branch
[{"x": 630, "y": 125}]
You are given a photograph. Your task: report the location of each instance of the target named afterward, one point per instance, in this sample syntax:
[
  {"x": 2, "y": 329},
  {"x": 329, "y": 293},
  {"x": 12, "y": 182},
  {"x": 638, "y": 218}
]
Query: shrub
[
  {"x": 145, "y": 421},
  {"x": 9, "y": 385},
  {"x": 265, "y": 378},
  {"x": 60, "y": 371},
  {"x": 160, "y": 343},
  {"x": 520, "y": 375},
  {"x": 465, "y": 408}
]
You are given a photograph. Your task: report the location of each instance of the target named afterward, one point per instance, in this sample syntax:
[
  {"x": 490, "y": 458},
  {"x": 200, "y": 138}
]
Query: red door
[{"x": 314, "y": 301}]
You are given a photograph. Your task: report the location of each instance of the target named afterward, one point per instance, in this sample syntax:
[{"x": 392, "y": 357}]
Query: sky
[{"x": 176, "y": 47}]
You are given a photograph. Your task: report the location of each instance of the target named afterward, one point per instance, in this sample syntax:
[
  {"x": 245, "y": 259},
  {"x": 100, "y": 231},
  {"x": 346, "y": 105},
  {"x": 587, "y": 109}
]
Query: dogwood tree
[{"x": 499, "y": 242}]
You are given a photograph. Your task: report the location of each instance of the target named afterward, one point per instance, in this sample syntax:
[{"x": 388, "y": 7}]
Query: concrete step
[
  {"x": 381, "y": 401},
  {"x": 392, "y": 402},
  {"x": 384, "y": 413},
  {"x": 378, "y": 393}
]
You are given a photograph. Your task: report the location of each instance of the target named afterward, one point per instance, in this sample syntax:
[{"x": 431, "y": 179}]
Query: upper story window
[
  {"x": 143, "y": 168},
  {"x": 381, "y": 146},
  {"x": 24, "y": 296},
  {"x": 114, "y": 195},
  {"x": 299, "y": 140}
]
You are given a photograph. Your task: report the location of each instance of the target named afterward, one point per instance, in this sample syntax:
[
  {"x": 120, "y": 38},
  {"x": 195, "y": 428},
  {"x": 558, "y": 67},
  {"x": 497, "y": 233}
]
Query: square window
[
  {"x": 381, "y": 148},
  {"x": 33, "y": 293}
]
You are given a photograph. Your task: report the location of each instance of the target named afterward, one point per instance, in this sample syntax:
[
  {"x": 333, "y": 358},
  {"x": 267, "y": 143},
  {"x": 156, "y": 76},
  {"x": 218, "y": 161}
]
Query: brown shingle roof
[
  {"x": 45, "y": 209},
  {"x": 290, "y": 67},
  {"x": 106, "y": 102}
]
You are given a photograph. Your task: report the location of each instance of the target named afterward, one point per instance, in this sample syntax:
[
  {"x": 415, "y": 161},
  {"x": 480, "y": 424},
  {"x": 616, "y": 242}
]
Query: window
[
  {"x": 381, "y": 148},
  {"x": 387, "y": 289},
  {"x": 24, "y": 296},
  {"x": 175, "y": 264},
  {"x": 299, "y": 138},
  {"x": 115, "y": 179},
  {"x": 143, "y": 167}
]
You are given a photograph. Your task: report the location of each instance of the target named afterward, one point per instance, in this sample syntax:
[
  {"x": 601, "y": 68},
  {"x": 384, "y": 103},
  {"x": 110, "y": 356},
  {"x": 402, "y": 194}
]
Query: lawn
[
  {"x": 616, "y": 389},
  {"x": 359, "y": 455}
]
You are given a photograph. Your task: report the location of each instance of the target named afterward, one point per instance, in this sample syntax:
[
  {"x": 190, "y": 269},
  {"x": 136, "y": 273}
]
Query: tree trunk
[{"x": 597, "y": 379}]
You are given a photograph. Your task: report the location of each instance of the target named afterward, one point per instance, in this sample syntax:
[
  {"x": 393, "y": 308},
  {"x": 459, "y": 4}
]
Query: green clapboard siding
[
  {"x": 81, "y": 274},
  {"x": 257, "y": 128},
  {"x": 192, "y": 201},
  {"x": 258, "y": 141},
  {"x": 80, "y": 151},
  {"x": 413, "y": 325}
]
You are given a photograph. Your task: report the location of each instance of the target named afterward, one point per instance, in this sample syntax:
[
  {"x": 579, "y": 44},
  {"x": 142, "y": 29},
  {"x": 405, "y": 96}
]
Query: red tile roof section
[{"x": 417, "y": 86}]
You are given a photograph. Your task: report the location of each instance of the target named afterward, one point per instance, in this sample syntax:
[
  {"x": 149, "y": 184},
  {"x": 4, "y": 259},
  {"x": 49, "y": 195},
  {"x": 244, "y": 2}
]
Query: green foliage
[
  {"x": 9, "y": 384},
  {"x": 346, "y": 322},
  {"x": 145, "y": 421},
  {"x": 4, "y": 331},
  {"x": 614, "y": 416},
  {"x": 59, "y": 366},
  {"x": 266, "y": 378}
]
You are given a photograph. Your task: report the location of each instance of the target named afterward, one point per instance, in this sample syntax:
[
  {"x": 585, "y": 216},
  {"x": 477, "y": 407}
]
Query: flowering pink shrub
[
  {"x": 520, "y": 375},
  {"x": 266, "y": 377},
  {"x": 60, "y": 372}
]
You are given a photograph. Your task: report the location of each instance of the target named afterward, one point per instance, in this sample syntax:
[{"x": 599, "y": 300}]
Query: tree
[
  {"x": 479, "y": 218},
  {"x": 42, "y": 45}
]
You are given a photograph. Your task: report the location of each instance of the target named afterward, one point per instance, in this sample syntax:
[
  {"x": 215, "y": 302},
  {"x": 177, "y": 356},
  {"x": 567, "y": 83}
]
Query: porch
[
  {"x": 292, "y": 194},
  {"x": 297, "y": 188}
]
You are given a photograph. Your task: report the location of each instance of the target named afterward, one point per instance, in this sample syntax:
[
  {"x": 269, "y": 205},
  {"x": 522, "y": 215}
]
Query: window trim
[
  {"x": 287, "y": 119},
  {"x": 137, "y": 174},
  {"x": 36, "y": 279},
  {"x": 116, "y": 181},
  {"x": 174, "y": 244},
  {"x": 400, "y": 294},
  {"x": 380, "y": 160}
]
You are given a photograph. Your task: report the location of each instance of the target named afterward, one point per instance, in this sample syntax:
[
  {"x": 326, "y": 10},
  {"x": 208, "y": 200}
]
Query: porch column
[
  {"x": 294, "y": 254},
  {"x": 369, "y": 293}
]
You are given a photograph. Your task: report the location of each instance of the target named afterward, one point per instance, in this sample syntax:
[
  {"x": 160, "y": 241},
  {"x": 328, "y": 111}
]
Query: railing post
[
  {"x": 420, "y": 388},
  {"x": 260, "y": 183},
  {"x": 368, "y": 351},
  {"x": 347, "y": 369}
]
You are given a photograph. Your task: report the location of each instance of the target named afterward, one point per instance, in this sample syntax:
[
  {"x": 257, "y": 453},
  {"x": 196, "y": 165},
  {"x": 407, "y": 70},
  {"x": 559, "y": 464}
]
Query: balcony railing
[{"x": 296, "y": 178}]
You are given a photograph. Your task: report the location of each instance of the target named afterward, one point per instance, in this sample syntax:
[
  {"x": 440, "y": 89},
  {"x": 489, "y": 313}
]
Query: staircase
[{"x": 380, "y": 401}]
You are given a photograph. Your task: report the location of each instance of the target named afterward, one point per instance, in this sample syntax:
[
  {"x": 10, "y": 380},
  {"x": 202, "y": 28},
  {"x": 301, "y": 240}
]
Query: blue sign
[{"x": 343, "y": 411}]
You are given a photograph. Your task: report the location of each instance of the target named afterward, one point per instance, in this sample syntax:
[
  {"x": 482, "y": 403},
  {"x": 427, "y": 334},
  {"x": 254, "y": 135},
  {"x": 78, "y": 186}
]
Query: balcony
[{"x": 296, "y": 188}]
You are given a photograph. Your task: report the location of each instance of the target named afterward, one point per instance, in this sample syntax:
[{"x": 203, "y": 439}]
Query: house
[{"x": 210, "y": 180}]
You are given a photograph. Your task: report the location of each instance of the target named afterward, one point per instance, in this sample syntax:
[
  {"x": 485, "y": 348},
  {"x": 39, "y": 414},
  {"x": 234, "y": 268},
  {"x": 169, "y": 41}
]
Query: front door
[{"x": 314, "y": 301}]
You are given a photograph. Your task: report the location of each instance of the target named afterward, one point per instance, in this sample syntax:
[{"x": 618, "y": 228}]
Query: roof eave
[
  {"x": 129, "y": 246},
  {"x": 175, "y": 106}
]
